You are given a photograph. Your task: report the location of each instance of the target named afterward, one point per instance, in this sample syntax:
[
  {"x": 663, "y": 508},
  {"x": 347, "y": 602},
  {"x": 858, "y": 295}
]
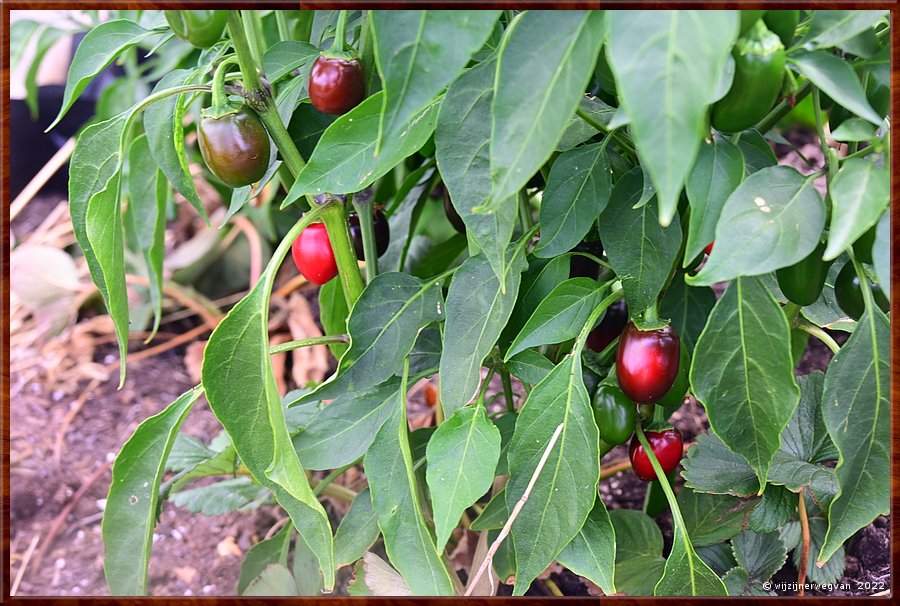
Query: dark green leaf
[
  {"x": 284, "y": 57},
  {"x": 639, "y": 544},
  {"x": 236, "y": 494},
  {"x": 775, "y": 508},
  {"x": 761, "y": 555},
  {"x": 711, "y": 518},
  {"x": 881, "y": 252},
  {"x": 529, "y": 366},
  {"x": 836, "y": 78},
  {"x": 688, "y": 307},
  {"x": 357, "y": 531},
  {"x": 711, "y": 467},
  {"x": 592, "y": 553},
  {"x": 333, "y": 314},
  {"x": 494, "y": 515}
]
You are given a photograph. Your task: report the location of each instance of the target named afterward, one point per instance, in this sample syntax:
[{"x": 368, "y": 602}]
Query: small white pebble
[
  {"x": 177, "y": 535},
  {"x": 60, "y": 563},
  {"x": 110, "y": 456},
  {"x": 208, "y": 589}
]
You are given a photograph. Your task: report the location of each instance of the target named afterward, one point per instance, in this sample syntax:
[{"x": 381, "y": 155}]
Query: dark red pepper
[
  {"x": 647, "y": 362},
  {"x": 668, "y": 447},
  {"x": 336, "y": 85}
]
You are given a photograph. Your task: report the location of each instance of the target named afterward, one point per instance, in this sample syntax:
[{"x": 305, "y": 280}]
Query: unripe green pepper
[
  {"x": 200, "y": 28},
  {"x": 783, "y": 24},
  {"x": 615, "y": 414},
  {"x": 758, "y": 72},
  {"x": 802, "y": 282},
  {"x": 848, "y": 292}
]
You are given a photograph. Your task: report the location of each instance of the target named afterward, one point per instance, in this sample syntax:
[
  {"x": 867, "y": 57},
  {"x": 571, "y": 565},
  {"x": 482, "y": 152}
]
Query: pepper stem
[
  {"x": 340, "y": 33},
  {"x": 219, "y": 96},
  {"x": 364, "y": 206}
]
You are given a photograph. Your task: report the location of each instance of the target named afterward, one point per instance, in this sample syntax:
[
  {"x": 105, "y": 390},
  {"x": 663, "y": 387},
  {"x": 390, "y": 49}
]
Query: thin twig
[
  {"x": 25, "y": 560},
  {"x": 614, "y": 467},
  {"x": 804, "y": 549},
  {"x": 515, "y": 512},
  {"x": 40, "y": 179},
  {"x": 276, "y": 527},
  {"x": 163, "y": 347},
  {"x": 57, "y": 523}
]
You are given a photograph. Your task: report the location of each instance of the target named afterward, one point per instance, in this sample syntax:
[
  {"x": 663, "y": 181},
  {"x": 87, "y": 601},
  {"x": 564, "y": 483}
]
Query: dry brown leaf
[
  {"x": 193, "y": 359},
  {"x": 309, "y": 363}
]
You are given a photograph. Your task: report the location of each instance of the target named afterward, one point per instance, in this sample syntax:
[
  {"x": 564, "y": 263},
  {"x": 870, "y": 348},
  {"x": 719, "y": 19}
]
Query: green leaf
[
  {"x": 830, "y": 28},
  {"x": 529, "y": 366},
  {"x": 666, "y": 66},
  {"x": 772, "y": 220},
  {"x": 761, "y": 555},
  {"x": 859, "y": 194},
  {"x": 546, "y": 60},
  {"x": 305, "y": 569},
  {"x": 688, "y": 307},
  {"x": 344, "y": 160},
  {"x": 756, "y": 150},
  {"x": 494, "y": 515},
  {"x": 711, "y": 518},
  {"x": 462, "y": 455},
  {"x": 478, "y": 307},
  {"x": 425, "y": 357},
  {"x": 805, "y": 438},
  {"x": 343, "y": 430},
  {"x": 260, "y": 555},
  {"x": 578, "y": 131},
  {"x": 826, "y": 312},
  {"x": 357, "y": 531},
  {"x": 131, "y": 506},
  {"x": 742, "y": 373},
  {"x": 235, "y": 494},
  {"x": 420, "y": 52},
  {"x": 639, "y": 544},
  {"x": 739, "y": 583},
  {"x": 333, "y": 313},
  {"x": 577, "y": 191},
  {"x": 566, "y": 488},
  {"x": 881, "y": 252},
  {"x": 395, "y": 497},
  {"x": 718, "y": 171},
  {"x": 561, "y": 315},
  {"x": 274, "y": 580},
  {"x": 284, "y": 57},
  {"x": 592, "y": 553},
  {"x": 836, "y": 78},
  {"x": 710, "y": 466},
  {"x": 538, "y": 281},
  {"x": 148, "y": 193},
  {"x": 20, "y": 35},
  {"x": 164, "y": 125},
  {"x": 462, "y": 150},
  {"x": 685, "y": 574},
  {"x": 641, "y": 251},
  {"x": 853, "y": 129},
  {"x": 240, "y": 386},
  {"x": 47, "y": 39},
  {"x": 100, "y": 47},
  {"x": 856, "y": 408},
  {"x": 719, "y": 557},
  {"x": 383, "y": 327},
  {"x": 507, "y": 425},
  {"x": 774, "y": 510}
]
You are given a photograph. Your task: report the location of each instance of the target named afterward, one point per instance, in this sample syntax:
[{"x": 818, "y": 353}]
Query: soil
[{"x": 195, "y": 555}]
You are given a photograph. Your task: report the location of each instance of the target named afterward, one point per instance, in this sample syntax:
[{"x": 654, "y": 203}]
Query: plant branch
[
  {"x": 614, "y": 467},
  {"x": 804, "y": 549},
  {"x": 820, "y": 334},
  {"x": 325, "y": 482},
  {"x": 291, "y": 345},
  {"x": 345, "y": 256},
  {"x": 515, "y": 512},
  {"x": 507, "y": 390}
]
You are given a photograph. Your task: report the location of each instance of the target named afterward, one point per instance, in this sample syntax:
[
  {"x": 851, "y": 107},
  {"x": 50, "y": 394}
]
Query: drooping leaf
[
  {"x": 546, "y": 59},
  {"x": 836, "y": 78},
  {"x": 592, "y": 553},
  {"x": 131, "y": 506},
  {"x": 742, "y": 372},
  {"x": 565, "y": 489},
  {"x": 666, "y": 65},
  {"x": 859, "y": 194},
  {"x": 772, "y": 220}
]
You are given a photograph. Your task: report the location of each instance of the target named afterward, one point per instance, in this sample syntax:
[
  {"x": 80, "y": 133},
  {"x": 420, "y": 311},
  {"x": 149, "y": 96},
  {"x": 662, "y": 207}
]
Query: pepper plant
[{"x": 545, "y": 181}]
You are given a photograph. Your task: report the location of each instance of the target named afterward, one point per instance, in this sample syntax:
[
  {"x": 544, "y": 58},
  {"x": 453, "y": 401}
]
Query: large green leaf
[
  {"x": 420, "y": 52},
  {"x": 639, "y": 545},
  {"x": 772, "y": 220},
  {"x": 592, "y": 553},
  {"x": 566, "y": 487},
  {"x": 344, "y": 160},
  {"x": 859, "y": 194},
  {"x": 577, "y": 191},
  {"x": 546, "y": 60},
  {"x": 829, "y": 27},
  {"x": 685, "y": 574},
  {"x": 836, "y": 78},
  {"x": 477, "y": 311},
  {"x": 712, "y": 518},
  {"x": 667, "y": 65},
  {"x": 131, "y": 506},
  {"x": 718, "y": 171},
  {"x": 710, "y": 466},
  {"x": 462, "y": 150},
  {"x": 395, "y": 497},
  {"x": 383, "y": 327},
  {"x": 342, "y": 431},
  {"x": 743, "y": 374},
  {"x": 856, "y": 407},
  {"x": 100, "y": 47},
  {"x": 462, "y": 455},
  {"x": 357, "y": 531},
  {"x": 240, "y": 386},
  {"x": 641, "y": 251},
  {"x": 538, "y": 281},
  {"x": 561, "y": 315}
]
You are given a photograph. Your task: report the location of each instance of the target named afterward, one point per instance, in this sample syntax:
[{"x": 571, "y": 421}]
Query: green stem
[
  {"x": 252, "y": 83},
  {"x": 791, "y": 311},
  {"x": 284, "y": 32},
  {"x": 348, "y": 268},
  {"x": 364, "y": 206},
  {"x": 859, "y": 154},
  {"x": 599, "y": 127},
  {"x": 291, "y": 345},
  {"x": 595, "y": 259},
  {"x": 592, "y": 319},
  {"x": 782, "y": 108},
  {"x": 327, "y": 480},
  {"x": 663, "y": 483},
  {"x": 366, "y": 49},
  {"x": 820, "y": 334},
  {"x": 340, "y": 33},
  {"x": 219, "y": 96},
  {"x": 827, "y": 152},
  {"x": 525, "y": 212},
  {"x": 253, "y": 30},
  {"x": 507, "y": 391}
]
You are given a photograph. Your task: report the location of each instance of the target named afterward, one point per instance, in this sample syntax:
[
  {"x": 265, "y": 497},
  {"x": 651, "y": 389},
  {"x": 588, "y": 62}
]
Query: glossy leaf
[
  {"x": 718, "y": 171},
  {"x": 857, "y": 415},
  {"x": 592, "y": 553},
  {"x": 357, "y": 531},
  {"x": 577, "y": 191},
  {"x": 859, "y": 194},
  {"x": 756, "y": 150},
  {"x": 640, "y": 250},
  {"x": 131, "y": 506},
  {"x": 742, "y": 373},
  {"x": 546, "y": 60},
  {"x": 772, "y": 220},
  {"x": 344, "y": 160},
  {"x": 462, "y": 455},
  {"x": 566, "y": 488},
  {"x": 666, "y": 65},
  {"x": 836, "y": 78},
  {"x": 685, "y": 574},
  {"x": 420, "y": 52},
  {"x": 529, "y": 366},
  {"x": 477, "y": 310},
  {"x": 538, "y": 281}
]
